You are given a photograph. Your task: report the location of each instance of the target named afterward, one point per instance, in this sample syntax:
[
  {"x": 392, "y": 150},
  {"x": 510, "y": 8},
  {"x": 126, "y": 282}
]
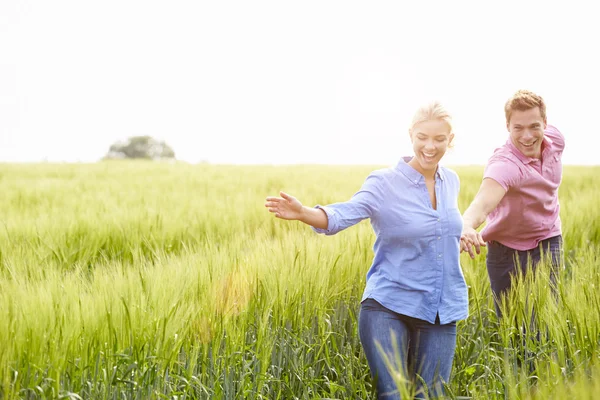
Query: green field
[{"x": 149, "y": 280}]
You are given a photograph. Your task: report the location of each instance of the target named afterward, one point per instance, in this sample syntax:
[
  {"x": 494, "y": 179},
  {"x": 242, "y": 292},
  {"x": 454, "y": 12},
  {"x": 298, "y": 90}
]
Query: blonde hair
[
  {"x": 524, "y": 100},
  {"x": 433, "y": 111}
]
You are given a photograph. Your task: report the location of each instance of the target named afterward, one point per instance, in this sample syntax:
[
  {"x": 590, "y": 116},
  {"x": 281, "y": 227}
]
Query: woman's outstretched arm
[{"x": 288, "y": 207}]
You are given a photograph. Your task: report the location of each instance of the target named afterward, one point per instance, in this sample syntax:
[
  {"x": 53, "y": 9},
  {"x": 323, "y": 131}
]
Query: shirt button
[
  {"x": 438, "y": 220},
  {"x": 439, "y": 255},
  {"x": 439, "y": 237}
]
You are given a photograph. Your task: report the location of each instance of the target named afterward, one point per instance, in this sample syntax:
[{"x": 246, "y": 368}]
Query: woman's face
[{"x": 430, "y": 141}]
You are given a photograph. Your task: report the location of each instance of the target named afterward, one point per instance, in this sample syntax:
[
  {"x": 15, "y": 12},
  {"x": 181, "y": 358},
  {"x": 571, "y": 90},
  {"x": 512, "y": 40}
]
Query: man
[{"x": 519, "y": 196}]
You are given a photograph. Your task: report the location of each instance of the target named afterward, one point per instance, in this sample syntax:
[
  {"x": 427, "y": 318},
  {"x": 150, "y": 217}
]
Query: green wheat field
[{"x": 145, "y": 280}]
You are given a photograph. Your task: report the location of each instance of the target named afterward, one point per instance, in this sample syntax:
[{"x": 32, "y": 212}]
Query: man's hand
[
  {"x": 471, "y": 238},
  {"x": 487, "y": 199}
]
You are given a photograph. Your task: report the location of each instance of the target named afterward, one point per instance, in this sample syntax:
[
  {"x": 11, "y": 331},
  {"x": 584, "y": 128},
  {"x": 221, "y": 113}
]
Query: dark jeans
[
  {"x": 502, "y": 263},
  {"x": 411, "y": 345}
]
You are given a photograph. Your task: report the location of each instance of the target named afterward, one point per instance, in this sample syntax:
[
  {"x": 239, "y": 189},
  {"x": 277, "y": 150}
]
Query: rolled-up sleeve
[{"x": 362, "y": 205}]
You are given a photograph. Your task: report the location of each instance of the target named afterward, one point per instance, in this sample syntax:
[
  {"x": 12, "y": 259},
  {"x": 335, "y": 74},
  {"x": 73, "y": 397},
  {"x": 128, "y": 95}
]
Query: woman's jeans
[
  {"x": 503, "y": 263},
  {"x": 411, "y": 345}
]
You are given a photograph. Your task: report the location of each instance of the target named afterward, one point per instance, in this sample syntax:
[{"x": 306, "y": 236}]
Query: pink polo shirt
[{"x": 528, "y": 213}]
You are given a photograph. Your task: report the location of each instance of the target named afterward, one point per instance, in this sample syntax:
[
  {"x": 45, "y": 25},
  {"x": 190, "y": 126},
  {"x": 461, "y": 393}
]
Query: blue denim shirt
[{"x": 416, "y": 269}]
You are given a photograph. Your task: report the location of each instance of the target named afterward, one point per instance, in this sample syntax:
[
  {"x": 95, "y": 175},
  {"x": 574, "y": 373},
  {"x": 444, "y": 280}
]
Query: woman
[{"x": 415, "y": 288}]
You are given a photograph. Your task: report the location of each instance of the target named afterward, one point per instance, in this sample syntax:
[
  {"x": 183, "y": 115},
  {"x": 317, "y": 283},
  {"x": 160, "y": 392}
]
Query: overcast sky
[{"x": 288, "y": 82}]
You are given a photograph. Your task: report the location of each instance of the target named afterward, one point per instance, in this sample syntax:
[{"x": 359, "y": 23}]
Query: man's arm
[{"x": 487, "y": 199}]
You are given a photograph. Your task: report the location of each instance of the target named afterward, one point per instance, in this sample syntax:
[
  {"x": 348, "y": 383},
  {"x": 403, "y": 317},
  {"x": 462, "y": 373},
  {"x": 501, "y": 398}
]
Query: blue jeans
[
  {"x": 502, "y": 263},
  {"x": 412, "y": 345}
]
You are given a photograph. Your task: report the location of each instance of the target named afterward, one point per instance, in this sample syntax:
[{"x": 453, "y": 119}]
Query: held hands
[
  {"x": 284, "y": 207},
  {"x": 471, "y": 238}
]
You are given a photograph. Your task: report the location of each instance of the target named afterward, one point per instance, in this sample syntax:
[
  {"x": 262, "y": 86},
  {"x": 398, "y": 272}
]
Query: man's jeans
[{"x": 502, "y": 263}]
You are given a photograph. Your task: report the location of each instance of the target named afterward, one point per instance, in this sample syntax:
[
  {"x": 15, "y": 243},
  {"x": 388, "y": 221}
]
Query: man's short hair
[{"x": 524, "y": 100}]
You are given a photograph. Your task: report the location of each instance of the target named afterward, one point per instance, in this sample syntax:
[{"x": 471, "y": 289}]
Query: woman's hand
[{"x": 285, "y": 207}]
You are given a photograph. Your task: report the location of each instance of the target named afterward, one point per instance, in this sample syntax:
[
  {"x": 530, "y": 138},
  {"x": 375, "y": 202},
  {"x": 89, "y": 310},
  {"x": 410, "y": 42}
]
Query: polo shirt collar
[{"x": 547, "y": 142}]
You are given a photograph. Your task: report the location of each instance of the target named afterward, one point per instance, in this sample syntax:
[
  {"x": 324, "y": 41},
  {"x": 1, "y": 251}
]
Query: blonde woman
[{"x": 415, "y": 289}]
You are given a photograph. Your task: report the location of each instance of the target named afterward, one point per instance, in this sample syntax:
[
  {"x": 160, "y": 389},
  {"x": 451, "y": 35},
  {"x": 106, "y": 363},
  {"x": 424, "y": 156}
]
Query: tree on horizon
[{"x": 140, "y": 147}]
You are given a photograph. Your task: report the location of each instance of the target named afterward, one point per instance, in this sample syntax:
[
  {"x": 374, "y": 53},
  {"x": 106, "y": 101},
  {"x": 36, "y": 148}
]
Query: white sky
[{"x": 288, "y": 82}]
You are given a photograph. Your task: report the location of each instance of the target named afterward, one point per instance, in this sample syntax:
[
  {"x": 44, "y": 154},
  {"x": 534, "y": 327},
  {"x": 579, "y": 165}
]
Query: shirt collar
[
  {"x": 522, "y": 157},
  {"x": 412, "y": 174}
]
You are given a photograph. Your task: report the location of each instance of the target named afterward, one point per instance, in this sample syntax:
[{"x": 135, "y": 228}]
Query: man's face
[{"x": 526, "y": 130}]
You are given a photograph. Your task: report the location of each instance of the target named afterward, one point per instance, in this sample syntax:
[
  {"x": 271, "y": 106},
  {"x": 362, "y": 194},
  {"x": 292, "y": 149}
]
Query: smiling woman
[
  {"x": 415, "y": 289},
  {"x": 431, "y": 135}
]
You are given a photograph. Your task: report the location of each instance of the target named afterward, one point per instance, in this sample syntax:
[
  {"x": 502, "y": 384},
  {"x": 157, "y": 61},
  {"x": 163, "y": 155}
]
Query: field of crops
[{"x": 149, "y": 280}]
